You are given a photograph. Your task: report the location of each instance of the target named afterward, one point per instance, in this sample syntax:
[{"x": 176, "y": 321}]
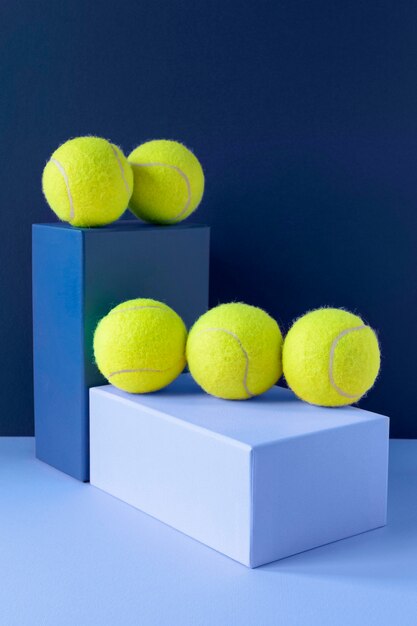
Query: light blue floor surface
[{"x": 72, "y": 555}]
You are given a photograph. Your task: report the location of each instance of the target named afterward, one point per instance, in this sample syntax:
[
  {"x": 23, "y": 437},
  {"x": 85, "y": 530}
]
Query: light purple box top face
[{"x": 274, "y": 416}]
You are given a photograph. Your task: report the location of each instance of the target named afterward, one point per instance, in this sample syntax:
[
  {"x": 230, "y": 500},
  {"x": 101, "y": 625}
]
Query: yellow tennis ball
[
  {"x": 168, "y": 182},
  {"x": 330, "y": 357},
  {"x": 88, "y": 182},
  {"x": 140, "y": 345},
  {"x": 234, "y": 351}
]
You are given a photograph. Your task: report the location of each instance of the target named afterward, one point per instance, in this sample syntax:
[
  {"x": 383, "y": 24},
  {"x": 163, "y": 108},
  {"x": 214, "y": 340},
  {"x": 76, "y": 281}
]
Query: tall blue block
[{"x": 78, "y": 276}]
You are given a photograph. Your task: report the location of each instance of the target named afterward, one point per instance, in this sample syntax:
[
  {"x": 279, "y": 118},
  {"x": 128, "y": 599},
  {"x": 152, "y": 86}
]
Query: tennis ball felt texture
[
  {"x": 168, "y": 182},
  {"x": 330, "y": 357},
  {"x": 140, "y": 345},
  {"x": 88, "y": 182},
  {"x": 234, "y": 351}
]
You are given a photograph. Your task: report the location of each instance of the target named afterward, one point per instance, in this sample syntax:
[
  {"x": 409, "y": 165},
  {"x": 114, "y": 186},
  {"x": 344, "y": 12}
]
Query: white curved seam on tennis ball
[
  {"x": 121, "y": 170},
  {"x": 145, "y": 369},
  {"x": 245, "y": 354},
  {"x": 181, "y": 173},
  {"x": 331, "y": 360},
  {"x": 66, "y": 181}
]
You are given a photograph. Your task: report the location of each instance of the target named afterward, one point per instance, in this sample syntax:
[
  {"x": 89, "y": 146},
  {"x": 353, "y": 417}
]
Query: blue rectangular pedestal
[
  {"x": 78, "y": 276},
  {"x": 257, "y": 480}
]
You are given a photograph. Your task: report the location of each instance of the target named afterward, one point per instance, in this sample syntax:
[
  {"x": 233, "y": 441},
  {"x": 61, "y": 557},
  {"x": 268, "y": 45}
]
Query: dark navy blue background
[{"x": 304, "y": 115}]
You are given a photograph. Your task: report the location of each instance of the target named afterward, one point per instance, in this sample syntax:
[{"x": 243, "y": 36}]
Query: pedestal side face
[
  {"x": 192, "y": 479},
  {"x": 60, "y": 396},
  {"x": 168, "y": 264},
  {"x": 314, "y": 489}
]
